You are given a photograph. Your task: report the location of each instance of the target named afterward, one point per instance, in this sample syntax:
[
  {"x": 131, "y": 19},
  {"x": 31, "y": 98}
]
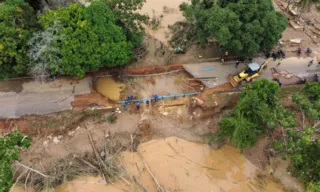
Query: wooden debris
[
  {"x": 36, "y": 171},
  {"x": 139, "y": 183},
  {"x": 199, "y": 101},
  {"x": 313, "y": 37},
  {"x": 154, "y": 178},
  {"x": 297, "y": 41},
  {"x": 295, "y": 25},
  {"x": 315, "y": 31}
]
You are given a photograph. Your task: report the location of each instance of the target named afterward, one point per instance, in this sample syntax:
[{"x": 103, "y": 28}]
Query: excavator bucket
[{"x": 232, "y": 81}]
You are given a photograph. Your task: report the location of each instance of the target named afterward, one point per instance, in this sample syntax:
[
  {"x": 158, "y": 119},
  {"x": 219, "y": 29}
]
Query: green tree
[
  {"x": 17, "y": 22},
  {"x": 128, "y": 18},
  {"x": 257, "y": 110},
  {"x": 10, "y": 147},
  {"x": 242, "y": 132},
  {"x": 303, "y": 150},
  {"x": 309, "y": 100},
  {"x": 243, "y": 26},
  {"x": 91, "y": 39},
  {"x": 302, "y": 146}
]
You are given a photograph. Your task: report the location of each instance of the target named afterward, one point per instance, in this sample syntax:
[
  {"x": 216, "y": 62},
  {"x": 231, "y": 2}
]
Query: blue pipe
[{"x": 162, "y": 97}]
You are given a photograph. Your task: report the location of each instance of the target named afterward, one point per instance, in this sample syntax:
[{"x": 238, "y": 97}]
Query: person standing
[
  {"x": 237, "y": 63},
  {"x": 308, "y": 50},
  {"x": 138, "y": 105},
  {"x": 310, "y": 63},
  {"x": 222, "y": 59},
  {"x": 274, "y": 56},
  {"x": 124, "y": 106},
  {"x": 147, "y": 102},
  {"x": 155, "y": 97},
  {"x": 280, "y": 61}
]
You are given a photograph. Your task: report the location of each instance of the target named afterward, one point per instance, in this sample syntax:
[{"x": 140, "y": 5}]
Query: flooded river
[
  {"x": 169, "y": 13},
  {"x": 179, "y": 165}
]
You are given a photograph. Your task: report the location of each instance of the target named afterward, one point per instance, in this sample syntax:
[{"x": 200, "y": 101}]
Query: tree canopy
[
  {"x": 10, "y": 147},
  {"x": 17, "y": 22},
  {"x": 88, "y": 39},
  {"x": 257, "y": 110},
  {"x": 128, "y": 18},
  {"x": 243, "y": 26},
  {"x": 309, "y": 100},
  {"x": 303, "y": 148},
  {"x": 69, "y": 40}
]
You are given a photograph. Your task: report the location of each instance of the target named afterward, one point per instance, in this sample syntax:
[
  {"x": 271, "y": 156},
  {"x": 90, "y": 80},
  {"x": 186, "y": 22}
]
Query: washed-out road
[
  {"x": 297, "y": 67},
  {"x": 25, "y": 97}
]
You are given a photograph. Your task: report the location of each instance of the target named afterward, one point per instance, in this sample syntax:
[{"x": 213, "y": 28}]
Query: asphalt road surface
[{"x": 30, "y": 97}]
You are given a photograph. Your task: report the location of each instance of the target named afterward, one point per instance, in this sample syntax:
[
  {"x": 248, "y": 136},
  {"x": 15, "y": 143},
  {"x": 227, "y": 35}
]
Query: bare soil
[
  {"x": 309, "y": 20},
  {"x": 61, "y": 135},
  {"x": 12, "y": 85},
  {"x": 65, "y": 134}
]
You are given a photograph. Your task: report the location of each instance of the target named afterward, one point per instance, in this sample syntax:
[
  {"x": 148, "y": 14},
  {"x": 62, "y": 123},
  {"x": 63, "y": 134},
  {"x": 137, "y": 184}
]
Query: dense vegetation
[
  {"x": 17, "y": 22},
  {"x": 72, "y": 40},
  {"x": 10, "y": 147},
  {"x": 303, "y": 144},
  {"x": 257, "y": 111},
  {"x": 127, "y": 17},
  {"x": 88, "y": 39},
  {"x": 243, "y": 26},
  {"x": 309, "y": 100}
]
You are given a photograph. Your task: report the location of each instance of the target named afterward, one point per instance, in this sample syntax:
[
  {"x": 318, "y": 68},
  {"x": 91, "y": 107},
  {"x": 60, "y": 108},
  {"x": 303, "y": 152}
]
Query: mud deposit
[
  {"x": 109, "y": 88},
  {"x": 179, "y": 165}
]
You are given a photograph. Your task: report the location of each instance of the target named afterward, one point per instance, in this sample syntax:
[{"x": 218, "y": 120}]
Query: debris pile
[{"x": 101, "y": 162}]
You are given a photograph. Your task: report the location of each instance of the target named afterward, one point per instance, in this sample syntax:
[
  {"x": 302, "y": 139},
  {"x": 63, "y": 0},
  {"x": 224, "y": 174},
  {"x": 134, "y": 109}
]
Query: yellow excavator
[{"x": 253, "y": 71}]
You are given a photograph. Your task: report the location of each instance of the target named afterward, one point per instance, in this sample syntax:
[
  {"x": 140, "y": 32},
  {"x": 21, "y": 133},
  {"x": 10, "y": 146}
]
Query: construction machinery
[{"x": 253, "y": 70}]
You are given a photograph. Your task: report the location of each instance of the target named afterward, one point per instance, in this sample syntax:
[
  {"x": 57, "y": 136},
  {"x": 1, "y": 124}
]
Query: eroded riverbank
[{"x": 180, "y": 165}]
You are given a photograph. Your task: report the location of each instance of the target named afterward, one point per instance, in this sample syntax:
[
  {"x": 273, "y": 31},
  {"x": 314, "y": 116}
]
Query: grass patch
[
  {"x": 49, "y": 124},
  {"x": 289, "y": 90},
  {"x": 112, "y": 119}
]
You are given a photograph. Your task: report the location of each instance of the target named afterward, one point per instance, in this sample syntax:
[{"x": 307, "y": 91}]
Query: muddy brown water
[
  {"x": 109, "y": 88},
  {"x": 169, "y": 12},
  {"x": 180, "y": 165}
]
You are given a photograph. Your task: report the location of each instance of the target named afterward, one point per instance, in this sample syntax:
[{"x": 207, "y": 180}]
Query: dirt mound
[{"x": 145, "y": 129}]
